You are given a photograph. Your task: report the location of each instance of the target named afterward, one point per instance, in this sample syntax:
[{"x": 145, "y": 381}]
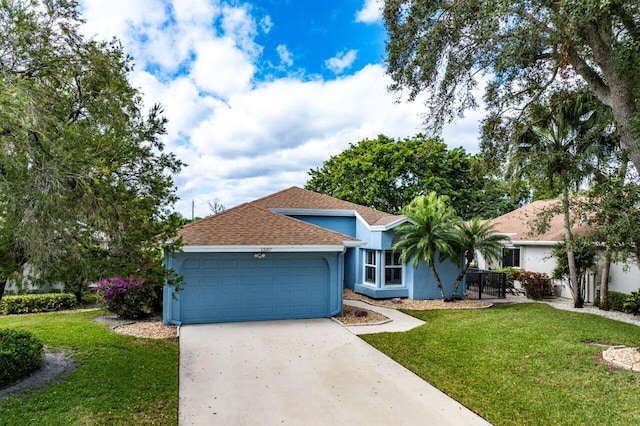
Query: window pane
[
  {"x": 391, "y": 258},
  {"x": 370, "y": 274},
  {"x": 393, "y": 276},
  {"x": 371, "y": 257},
  {"x": 516, "y": 257}
]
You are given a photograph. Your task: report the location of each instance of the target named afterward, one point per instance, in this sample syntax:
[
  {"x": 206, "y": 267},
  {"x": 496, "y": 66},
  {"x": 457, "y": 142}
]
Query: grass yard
[
  {"x": 120, "y": 380},
  {"x": 524, "y": 364}
]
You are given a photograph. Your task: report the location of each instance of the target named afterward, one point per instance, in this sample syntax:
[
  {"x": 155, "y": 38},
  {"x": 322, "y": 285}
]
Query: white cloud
[
  {"x": 113, "y": 18},
  {"x": 267, "y": 139},
  {"x": 371, "y": 12},
  {"x": 242, "y": 138},
  {"x": 220, "y": 68},
  {"x": 266, "y": 24},
  {"x": 285, "y": 55},
  {"x": 341, "y": 61},
  {"x": 196, "y": 12},
  {"x": 239, "y": 26}
]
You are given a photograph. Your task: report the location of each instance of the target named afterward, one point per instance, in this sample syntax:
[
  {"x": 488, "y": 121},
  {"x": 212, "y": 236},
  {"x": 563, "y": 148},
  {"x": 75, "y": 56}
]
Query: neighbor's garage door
[{"x": 237, "y": 287}]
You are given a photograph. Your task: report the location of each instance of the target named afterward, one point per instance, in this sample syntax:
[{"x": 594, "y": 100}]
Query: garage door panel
[
  {"x": 191, "y": 264},
  {"x": 210, "y": 265},
  {"x": 229, "y": 264},
  {"x": 250, "y": 289}
]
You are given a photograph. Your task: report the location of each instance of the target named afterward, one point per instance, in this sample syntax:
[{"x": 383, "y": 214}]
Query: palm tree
[
  {"x": 563, "y": 143},
  {"x": 429, "y": 232},
  {"x": 477, "y": 235}
]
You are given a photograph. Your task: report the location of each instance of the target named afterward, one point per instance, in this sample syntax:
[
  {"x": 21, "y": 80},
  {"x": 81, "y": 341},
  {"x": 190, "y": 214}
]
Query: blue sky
[{"x": 259, "y": 92}]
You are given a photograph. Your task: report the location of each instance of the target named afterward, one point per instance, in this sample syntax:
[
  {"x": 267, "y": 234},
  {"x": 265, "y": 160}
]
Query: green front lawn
[
  {"x": 120, "y": 379},
  {"x": 525, "y": 364}
]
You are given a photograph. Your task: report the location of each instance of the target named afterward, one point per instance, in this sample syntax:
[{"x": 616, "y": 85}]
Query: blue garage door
[{"x": 237, "y": 287}]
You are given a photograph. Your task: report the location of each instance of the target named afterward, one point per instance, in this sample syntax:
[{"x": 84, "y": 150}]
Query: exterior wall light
[{"x": 259, "y": 255}]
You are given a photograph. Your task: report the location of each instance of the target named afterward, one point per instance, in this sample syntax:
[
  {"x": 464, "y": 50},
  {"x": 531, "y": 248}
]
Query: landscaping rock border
[
  {"x": 623, "y": 357},
  {"x": 55, "y": 367}
]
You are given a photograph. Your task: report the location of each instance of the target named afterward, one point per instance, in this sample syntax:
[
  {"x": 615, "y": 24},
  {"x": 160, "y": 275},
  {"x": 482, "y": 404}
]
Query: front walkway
[{"x": 403, "y": 322}]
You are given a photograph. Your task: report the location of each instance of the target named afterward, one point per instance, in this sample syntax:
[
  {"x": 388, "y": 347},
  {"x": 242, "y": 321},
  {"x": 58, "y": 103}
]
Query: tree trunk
[
  {"x": 604, "y": 283},
  {"x": 459, "y": 279},
  {"x": 614, "y": 87},
  {"x": 578, "y": 301},
  {"x": 438, "y": 281},
  {"x": 3, "y": 285}
]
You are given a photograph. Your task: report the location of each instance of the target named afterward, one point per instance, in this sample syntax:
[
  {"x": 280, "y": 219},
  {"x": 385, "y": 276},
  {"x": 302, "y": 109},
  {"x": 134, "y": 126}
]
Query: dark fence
[{"x": 486, "y": 283}]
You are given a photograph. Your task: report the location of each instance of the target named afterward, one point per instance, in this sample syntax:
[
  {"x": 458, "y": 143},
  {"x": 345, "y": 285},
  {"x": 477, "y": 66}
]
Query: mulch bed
[{"x": 353, "y": 316}]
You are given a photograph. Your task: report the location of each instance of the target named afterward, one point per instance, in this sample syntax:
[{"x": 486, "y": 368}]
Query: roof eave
[
  {"x": 534, "y": 242},
  {"x": 354, "y": 243},
  {"x": 391, "y": 225},
  {"x": 262, "y": 248}
]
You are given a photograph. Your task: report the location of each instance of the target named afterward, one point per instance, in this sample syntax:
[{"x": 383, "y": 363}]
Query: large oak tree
[
  {"x": 527, "y": 49},
  {"x": 85, "y": 187}
]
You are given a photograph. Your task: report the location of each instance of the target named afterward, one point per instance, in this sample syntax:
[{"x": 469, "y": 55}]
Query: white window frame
[
  {"x": 367, "y": 265},
  {"x": 394, "y": 266}
]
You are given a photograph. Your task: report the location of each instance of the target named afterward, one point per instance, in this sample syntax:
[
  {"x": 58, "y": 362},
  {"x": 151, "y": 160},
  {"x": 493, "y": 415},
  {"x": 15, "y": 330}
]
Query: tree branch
[
  {"x": 593, "y": 78},
  {"x": 627, "y": 20}
]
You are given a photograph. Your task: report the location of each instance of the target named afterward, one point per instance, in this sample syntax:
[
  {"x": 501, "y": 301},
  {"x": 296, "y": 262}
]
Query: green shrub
[
  {"x": 536, "y": 285},
  {"x": 126, "y": 298},
  {"x": 632, "y": 303},
  {"x": 34, "y": 303},
  {"x": 616, "y": 301},
  {"x": 509, "y": 272},
  {"x": 89, "y": 298},
  {"x": 20, "y": 355}
]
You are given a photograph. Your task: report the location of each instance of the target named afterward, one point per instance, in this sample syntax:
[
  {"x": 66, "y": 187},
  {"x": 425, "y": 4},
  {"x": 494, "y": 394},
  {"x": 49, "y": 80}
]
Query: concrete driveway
[{"x": 301, "y": 372}]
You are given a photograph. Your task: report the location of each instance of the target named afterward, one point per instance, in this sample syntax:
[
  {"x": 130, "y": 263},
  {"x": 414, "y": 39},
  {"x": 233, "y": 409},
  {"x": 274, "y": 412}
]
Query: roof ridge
[
  {"x": 378, "y": 215},
  {"x": 266, "y": 197}
]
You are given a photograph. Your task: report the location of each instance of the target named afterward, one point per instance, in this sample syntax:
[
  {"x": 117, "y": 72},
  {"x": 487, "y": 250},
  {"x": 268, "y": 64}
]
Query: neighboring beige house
[{"x": 533, "y": 252}]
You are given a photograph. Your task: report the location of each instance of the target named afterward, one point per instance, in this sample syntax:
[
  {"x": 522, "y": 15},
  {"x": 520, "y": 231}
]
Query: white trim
[
  {"x": 400, "y": 266},
  {"x": 534, "y": 243},
  {"x": 260, "y": 249},
  {"x": 356, "y": 243},
  {"x": 375, "y": 266},
  {"x": 313, "y": 212},
  {"x": 389, "y": 226},
  {"x": 519, "y": 266}
]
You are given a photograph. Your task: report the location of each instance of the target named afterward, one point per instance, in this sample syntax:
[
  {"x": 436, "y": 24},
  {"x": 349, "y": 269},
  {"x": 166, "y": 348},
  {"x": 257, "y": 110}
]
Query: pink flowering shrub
[{"x": 125, "y": 298}]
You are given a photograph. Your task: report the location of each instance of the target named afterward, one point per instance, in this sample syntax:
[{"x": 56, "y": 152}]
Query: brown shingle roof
[
  {"x": 298, "y": 198},
  {"x": 250, "y": 225},
  {"x": 522, "y": 223}
]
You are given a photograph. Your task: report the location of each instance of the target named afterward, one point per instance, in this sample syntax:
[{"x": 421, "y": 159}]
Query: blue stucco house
[{"x": 290, "y": 255}]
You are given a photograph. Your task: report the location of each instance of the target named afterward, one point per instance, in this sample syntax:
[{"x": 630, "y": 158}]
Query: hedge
[
  {"x": 616, "y": 301},
  {"x": 20, "y": 355},
  {"x": 34, "y": 303}
]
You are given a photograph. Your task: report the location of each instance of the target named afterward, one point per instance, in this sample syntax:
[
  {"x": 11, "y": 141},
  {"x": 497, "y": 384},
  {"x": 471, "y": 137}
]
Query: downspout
[{"x": 166, "y": 298}]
